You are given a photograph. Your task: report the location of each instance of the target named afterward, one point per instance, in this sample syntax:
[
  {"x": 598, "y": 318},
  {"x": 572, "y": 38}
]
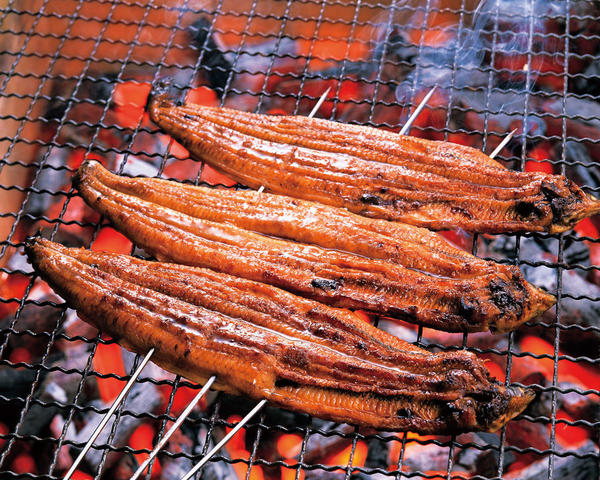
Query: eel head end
[
  {"x": 515, "y": 400},
  {"x": 160, "y": 97}
]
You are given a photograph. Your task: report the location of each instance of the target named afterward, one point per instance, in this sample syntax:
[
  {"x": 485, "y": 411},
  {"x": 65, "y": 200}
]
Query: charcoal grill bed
[{"x": 50, "y": 72}]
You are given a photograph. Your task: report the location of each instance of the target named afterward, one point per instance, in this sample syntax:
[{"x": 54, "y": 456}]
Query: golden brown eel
[
  {"x": 307, "y": 222},
  {"x": 375, "y": 173},
  {"x": 264, "y": 342},
  {"x": 495, "y": 299}
]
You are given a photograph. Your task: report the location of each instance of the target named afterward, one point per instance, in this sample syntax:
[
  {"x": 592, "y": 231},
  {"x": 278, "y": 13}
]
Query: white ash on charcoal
[
  {"x": 377, "y": 453},
  {"x": 56, "y": 390},
  {"x": 582, "y": 118},
  {"x": 334, "y": 437},
  {"x": 584, "y": 466},
  {"x": 191, "y": 439},
  {"x": 588, "y": 81},
  {"x": 582, "y": 110},
  {"x": 421, "y": 458},
  {"x": 216, "y": 65},
  {"x": 568, "y": 398},
  {"x": 507, "y": 108},
  {"x": 175, "y": 467},
  {"x": 51, "y": 178},
  {"x": 137, "y": 166},
  {"x": 31, "y": 329},
  {"x": 73, "y": 326},
  {"x": 579, "y": 165},
  {"x": 143, "y": 398},
  {"x": 525, "y": 434},
  {"x": 395, "y": 328},
  {"x": 576, "y": 311},
  {"x": 213, "y": 470},
  {"x": 481, "y": 461}
]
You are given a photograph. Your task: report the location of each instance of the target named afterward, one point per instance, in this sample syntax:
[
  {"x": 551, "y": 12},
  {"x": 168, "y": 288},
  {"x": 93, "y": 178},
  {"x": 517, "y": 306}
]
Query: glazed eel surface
[
  {"x": 375, "y": 173},
  {"x": 267, "y": 343},
  {"x": 240, "y": 233}
]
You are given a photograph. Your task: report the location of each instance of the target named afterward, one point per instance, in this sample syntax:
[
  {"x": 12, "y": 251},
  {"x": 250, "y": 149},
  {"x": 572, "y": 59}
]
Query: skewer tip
[
  {"x": 315, "y": 109},
  {"x": 417, "y": 111}
]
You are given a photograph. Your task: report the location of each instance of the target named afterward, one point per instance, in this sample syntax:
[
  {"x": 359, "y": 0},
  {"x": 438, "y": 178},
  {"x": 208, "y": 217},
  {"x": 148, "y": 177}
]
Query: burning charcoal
[
  {"x": 581, "y": 311},
  {"x": 588, "y": 82},
  {"x": 580, "y": 166},
  {"x": 571, "y": 467},
  {"x": 56, "y": 386},
  {"x": 214, "y": 60},
  {"x": 143, "y": 398},
  {"x": 36, "y": 319},
  {"x": 318, "y": 446},
  {"x": 482, "y": 461},
  {"x": 52, "y": 178},
  {"x": 212, "y": 470},
  {"x": 425, "y": 457},
  {"x": 174, "y": 468},
  {"x": 585, "y": 110},
  {"x": 319, "y": 474},
  {"x": 15, "y": 382},
  {"x": 378, "y": 453},
  {"x": 572, "y": 402},
  {"x": 526, "y": 434},
  {"x": 583, "y": 121}
]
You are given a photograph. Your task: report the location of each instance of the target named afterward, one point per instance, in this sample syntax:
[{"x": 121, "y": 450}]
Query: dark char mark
[
  {"x": 325, "y": 284},
  {"x": 527, "y": 209},
  {"x": 371, "y": 199},
  {"x": 284, "y": 382},
  {"x": 558, "y": 203},
  {"x": 404, "y": 413},
  {"x": 504, "y": 298}
]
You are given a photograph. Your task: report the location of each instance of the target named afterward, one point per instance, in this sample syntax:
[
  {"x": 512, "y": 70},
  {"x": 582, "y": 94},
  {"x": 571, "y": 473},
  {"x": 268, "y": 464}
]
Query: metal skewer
[
  {"x": 174, "y": 427},
  {"x": 111, "y": 410},
  {"x": 417, "y": 111},
  {"x": 315, "y": 109},
  {"x": 225, "y": 439},
  {"x": 502, "y": 144}
]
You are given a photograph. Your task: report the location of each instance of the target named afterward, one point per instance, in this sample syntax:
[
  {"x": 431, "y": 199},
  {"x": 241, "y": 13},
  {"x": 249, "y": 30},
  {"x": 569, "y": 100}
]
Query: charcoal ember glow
[
  {"x": 580, "y": 464},
  {"x": 143, "y": 398}
]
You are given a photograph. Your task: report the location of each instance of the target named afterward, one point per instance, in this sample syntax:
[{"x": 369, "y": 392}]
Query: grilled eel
[
  {"x": 169, "y": 221},
  {"x": 375, "y": 173},
  {"x": 264, "y": 342}
]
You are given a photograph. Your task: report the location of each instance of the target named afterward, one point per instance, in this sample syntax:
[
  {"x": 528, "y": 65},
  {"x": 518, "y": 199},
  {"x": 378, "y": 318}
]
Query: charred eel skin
[
  {"x": 375, "y": 173},
  {"x": 174, "y": 223},
  {"x": 264, "y": 342}
]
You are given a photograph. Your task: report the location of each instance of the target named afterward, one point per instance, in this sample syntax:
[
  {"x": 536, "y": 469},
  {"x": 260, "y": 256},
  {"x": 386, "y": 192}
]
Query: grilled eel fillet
[
  {"x": 264, "y": 342},
  {"x": 375, "y": 173},
  {"x": 217, "y": 230}
]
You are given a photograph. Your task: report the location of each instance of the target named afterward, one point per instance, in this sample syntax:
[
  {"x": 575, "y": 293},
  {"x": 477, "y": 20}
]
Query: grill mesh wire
[{"x": 362, "y": 15}]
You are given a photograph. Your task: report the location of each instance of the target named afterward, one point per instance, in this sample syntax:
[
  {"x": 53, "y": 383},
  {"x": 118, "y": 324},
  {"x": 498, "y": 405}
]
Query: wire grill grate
[{"x": 57, "y": 53}]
